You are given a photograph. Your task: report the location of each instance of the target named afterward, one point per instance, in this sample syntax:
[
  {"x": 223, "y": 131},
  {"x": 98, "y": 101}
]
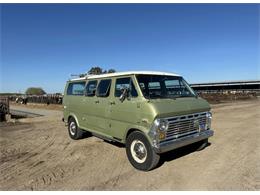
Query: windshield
[{"x": 163, "y": 86}]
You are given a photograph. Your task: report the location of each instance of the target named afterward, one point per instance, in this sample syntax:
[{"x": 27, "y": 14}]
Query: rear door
[
  {"x": 101, "y": 106},
  {"x": 96, "y": 105}
]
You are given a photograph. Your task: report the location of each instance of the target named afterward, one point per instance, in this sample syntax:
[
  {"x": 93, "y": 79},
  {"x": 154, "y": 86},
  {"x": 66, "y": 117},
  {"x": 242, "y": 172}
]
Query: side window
[
  {"x": 76, "y": 88},
  {"x": 91, "y": 88},
  {"x": 125, "y": 83},
  {"x": 104, "y": 88}
]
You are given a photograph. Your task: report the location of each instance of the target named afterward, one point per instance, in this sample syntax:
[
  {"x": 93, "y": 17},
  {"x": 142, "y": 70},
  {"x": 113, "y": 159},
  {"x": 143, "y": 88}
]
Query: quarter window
[
  {"x": 91, "y": 88},
  {"x": 123, "y": 83},
  {"x": 104, "y": 88},
  {"x": 76, "y": 88}
]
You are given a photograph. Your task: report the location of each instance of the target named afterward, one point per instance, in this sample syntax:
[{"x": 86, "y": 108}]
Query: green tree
[
  {"x": 95, "y": 70},
  {"x": 35, "y": 91},
  {"x": 111, "y": 70},
  {"x": 82, "y": 75}
]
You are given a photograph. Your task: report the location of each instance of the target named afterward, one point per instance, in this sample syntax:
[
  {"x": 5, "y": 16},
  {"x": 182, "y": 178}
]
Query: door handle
[
  {"x": 112, "y": 102},
  {"x": 97, "y": 101}
]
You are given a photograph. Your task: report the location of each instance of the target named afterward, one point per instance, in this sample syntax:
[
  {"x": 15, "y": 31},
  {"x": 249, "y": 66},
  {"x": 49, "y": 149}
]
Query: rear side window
[
  {"x": 104, "y": 88},
  {"x": 91, "y": 88},
  {"x": 76, "y": 88},
  {"x": 123, "y": 83}
]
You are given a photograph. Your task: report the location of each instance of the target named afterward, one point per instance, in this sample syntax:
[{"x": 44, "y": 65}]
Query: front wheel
[
  {"x": 140, "y": 152},
  {"x": 74, "y": 131}
]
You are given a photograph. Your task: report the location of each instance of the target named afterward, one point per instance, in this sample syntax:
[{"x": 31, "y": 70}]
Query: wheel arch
[
  {"x": 132, "y": 129},
  {"x": 71, "y": 115}
]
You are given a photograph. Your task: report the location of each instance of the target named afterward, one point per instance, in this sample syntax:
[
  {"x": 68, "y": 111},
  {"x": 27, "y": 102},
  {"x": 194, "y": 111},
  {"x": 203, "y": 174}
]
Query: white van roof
[{"x": 125, "y": 73}]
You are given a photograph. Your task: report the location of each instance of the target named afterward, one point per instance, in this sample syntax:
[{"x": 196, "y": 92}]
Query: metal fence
[
  {"x": 4, "y": 105},
  {"x": 42, "y": 99}
]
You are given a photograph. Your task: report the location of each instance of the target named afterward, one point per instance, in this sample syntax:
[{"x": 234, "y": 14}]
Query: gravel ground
[{"x": 37, "y": 154}]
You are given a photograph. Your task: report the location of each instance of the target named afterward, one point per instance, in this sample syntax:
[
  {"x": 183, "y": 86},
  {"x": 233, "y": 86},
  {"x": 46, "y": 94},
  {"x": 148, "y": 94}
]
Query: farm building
[{"x": 228, "y": 86}]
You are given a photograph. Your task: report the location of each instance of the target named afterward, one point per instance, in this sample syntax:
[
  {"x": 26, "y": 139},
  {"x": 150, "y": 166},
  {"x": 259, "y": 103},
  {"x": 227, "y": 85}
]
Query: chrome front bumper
[{"x": 177, "y": 143}]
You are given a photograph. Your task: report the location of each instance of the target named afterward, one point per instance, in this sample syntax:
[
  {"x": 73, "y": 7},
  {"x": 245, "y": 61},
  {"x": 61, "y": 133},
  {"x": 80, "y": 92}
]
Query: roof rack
[
  {"x": 78, "y": 76},
  {"x": 93, "y": 76}
]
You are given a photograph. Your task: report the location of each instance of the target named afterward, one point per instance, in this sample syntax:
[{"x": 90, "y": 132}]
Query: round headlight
[
  {"x": 163, "y": 124},
  {"x": 209, "y": 115}
]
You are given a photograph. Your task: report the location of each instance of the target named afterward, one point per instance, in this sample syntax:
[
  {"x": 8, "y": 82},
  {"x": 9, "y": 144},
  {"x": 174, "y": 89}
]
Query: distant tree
[
  {"x": 35, "y": 91},
  {"x": 82, "y": 75},
  {"x": 111, "y": 71},
  {"x": 95, "y": 70}
]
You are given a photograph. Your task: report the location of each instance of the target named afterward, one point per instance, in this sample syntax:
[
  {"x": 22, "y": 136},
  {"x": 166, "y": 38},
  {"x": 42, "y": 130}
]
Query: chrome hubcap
[
  {"x": 73, "y": 128},
  {"x": 138, "y": 151}
]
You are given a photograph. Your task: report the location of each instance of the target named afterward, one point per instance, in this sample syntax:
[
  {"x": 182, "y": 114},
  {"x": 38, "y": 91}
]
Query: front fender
[
  {"x": 75, "y": 117},
  {"x": 143, "y": 129}
]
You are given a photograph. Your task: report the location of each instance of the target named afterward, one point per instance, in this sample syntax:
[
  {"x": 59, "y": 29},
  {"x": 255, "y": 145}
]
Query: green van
[{"x": 149, "y": 112}]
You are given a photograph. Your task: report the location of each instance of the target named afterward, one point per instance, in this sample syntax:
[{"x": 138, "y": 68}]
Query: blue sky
[{"x": 41, "y": 44}]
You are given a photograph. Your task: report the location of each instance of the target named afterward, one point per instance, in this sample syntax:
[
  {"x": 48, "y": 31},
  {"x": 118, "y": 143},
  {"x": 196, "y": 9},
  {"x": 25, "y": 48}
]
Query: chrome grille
[{"x": 180, "y": 126}]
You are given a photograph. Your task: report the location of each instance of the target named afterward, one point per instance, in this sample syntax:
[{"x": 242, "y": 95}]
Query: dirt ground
[{"x": 37, "y": 154}]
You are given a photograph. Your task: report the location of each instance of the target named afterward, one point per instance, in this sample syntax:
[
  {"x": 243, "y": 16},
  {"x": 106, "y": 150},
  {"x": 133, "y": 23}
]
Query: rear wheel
[
  {"x": 74, "y": 131},
  {"x": 140, "y": 152}
]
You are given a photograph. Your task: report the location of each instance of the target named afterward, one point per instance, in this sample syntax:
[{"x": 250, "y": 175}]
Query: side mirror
[{"x": 124, "y": 94}]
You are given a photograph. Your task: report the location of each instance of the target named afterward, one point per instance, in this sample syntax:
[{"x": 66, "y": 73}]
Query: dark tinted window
[
  {"x": 104, "y": 88},
  {"x": 76, "y": 88},
  {"x": 91, "y": 88},
  {"x": 123, "y": 83}
]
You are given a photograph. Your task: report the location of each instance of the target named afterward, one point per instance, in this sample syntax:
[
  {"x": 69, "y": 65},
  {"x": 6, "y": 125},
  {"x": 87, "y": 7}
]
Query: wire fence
[
  {"x": 41, "y": 99},
  {"x": 211, "y": 95},
  {"x": 4, "y": 105}
]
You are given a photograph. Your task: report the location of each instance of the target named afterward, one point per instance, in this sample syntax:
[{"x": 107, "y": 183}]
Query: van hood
[{"x": 178, "y": 106}]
